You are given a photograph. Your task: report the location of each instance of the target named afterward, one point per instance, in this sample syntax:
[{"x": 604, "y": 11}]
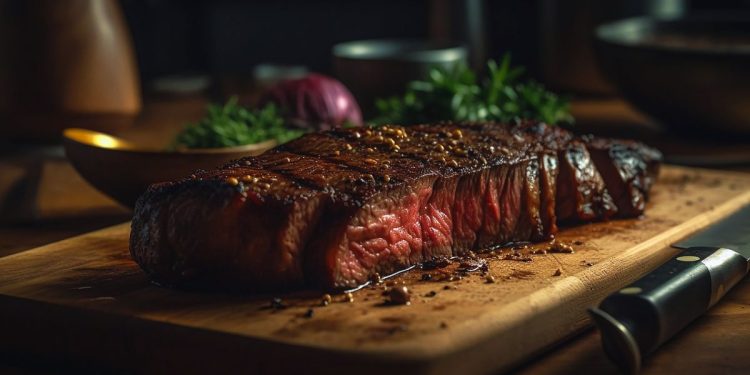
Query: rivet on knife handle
[{"x": 640, "y": 317}]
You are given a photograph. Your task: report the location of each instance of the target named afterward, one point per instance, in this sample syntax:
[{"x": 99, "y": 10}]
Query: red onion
[{"x": 315, "y": 102}]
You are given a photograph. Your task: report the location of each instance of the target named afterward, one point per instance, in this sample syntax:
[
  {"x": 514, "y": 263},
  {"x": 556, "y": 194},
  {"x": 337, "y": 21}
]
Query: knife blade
[{"x": 638, "y": 318}]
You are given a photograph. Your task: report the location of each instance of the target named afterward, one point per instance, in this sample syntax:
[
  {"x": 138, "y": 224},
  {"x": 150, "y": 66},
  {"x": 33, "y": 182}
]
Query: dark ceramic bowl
[
  {"x": 381, "y": 68},
  {"x": 692, "y": 73}
]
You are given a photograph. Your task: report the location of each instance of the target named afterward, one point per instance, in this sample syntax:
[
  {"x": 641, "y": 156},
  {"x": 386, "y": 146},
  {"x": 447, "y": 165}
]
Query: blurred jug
[{"x": 64, "y": 64}]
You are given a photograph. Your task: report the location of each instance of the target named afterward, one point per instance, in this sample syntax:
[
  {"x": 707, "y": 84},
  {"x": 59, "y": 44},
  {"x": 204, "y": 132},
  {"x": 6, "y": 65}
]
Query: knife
[{"x": 637, "y": 319}]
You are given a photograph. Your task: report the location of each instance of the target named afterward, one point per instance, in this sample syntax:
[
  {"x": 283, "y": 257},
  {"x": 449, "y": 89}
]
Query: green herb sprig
[
  {"x": 231, "y": 125},
  {"x": 458, "y": 95}
]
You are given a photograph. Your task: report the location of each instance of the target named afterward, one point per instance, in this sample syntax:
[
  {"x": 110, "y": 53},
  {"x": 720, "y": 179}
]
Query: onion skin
[{"x": 314, "y": 102}]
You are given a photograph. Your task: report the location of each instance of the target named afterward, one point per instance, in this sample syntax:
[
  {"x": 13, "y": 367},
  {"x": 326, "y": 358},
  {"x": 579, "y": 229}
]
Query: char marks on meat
[{"x": 332, "y": 209}]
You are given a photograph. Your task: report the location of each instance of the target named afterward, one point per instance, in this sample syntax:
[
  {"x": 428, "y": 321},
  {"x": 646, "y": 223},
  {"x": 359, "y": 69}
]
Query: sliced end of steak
[
  {"x": 628, "y": 168},
  {"x": 501, "y": 206},
  {"x": 548, "y": 172},
  {"x": 581, "y": 192},
  {"x": 530, "y": 225},
  {"x": 469, "y": 209},
  {"x": 568, "y": 174}
]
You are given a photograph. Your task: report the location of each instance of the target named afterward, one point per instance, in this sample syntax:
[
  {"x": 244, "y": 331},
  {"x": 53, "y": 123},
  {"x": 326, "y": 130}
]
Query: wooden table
[{"x": 63, "y": 205}]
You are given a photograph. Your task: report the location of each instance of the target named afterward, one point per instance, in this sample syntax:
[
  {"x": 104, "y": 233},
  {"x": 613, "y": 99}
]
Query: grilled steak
[{"x": 332, "y": 209}]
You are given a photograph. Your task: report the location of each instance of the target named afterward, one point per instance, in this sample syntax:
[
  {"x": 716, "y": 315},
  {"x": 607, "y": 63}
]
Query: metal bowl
[
  {"x": 692, "y": 73},
  {"x": 123, "y": 171},
  {"x": 374, "y": 69}
]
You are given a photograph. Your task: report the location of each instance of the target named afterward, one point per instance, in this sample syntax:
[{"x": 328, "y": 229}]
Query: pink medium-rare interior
[{"x": 438, "y": 217}]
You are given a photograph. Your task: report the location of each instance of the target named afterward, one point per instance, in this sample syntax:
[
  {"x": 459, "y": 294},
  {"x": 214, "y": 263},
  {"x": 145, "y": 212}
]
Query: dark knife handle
[{"x": 638, "y": 318}]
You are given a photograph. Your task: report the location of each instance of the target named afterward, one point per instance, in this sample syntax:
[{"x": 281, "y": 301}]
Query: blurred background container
[
  {"x": 382, "y": 68},
  {"x": 566, "y": 33},
  {"x": 692, "y": 73},
  {"x": 65, "y": 63}
]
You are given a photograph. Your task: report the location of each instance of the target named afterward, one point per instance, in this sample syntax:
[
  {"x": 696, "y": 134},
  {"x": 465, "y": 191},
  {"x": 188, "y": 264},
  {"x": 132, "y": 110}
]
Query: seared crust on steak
[{"x": 332, "y": 209}]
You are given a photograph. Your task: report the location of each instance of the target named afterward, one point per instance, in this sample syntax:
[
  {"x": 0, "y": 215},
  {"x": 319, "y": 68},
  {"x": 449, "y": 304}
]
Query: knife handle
[{"x": 638, "y": 318}]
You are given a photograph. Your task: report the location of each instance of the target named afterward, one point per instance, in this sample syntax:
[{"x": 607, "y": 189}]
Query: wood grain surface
[
  {"x": 715, "y": 343},
  {"x": 84, "y": 300}
]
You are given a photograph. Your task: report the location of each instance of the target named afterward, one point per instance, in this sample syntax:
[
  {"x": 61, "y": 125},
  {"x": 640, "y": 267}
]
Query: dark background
[{"x": 229, "y": 37}]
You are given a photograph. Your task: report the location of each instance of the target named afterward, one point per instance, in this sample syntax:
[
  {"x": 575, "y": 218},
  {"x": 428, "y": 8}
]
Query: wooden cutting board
[{"x": 84, "y": 301}]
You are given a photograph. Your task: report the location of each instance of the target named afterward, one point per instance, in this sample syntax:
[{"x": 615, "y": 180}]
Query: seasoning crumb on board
[
  {"x": 348, "y": 297},
  {"x": 455, "y": 269},
  {"x": 278, "y": 304},
  {"x": 399, "y": 296},
  {"x": 560, "y": 247}
]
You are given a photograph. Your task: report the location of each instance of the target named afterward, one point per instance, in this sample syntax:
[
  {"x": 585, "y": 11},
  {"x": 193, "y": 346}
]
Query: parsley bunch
[
  {"x": 233, "y": 125},
  {"x": 458, "y": 95}
]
